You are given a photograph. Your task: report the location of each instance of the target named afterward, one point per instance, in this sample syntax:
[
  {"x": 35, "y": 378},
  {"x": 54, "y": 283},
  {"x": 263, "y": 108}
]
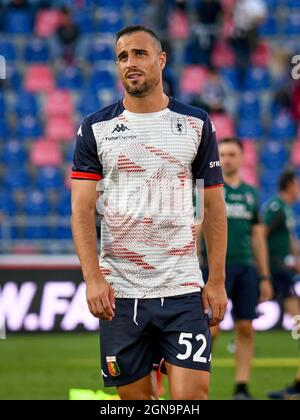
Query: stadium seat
[
  {"x": 250, "y": 154},
  {"x": 38, "y": 231},
  {"x": 224, "y": 125},
  {"x": 8, "y": 50},
  {"x": 295, "y": 157},
  {"x": 60, "y": 128},
  {"x": 62, "y": 231},
  {"x": 192, "y": 79},
  {"x": 39, "y": 78},
  {"x": 230, "y": 78},
  {"x": 63, "y": 206},
  {"x": 269, "y": 27},
  {"x": 36, "y": 51},
  {"x": 36, "y": 203},
  {"x": 47, "y": 22},
  {"x": 111, "y": 22},
  {"x": 29, "y": 127},
  {"x": 49, "y": 177},
  {"x": 292, "y": 24},
  {"x": 102, "y": 79},
  {"x": 257, "y": 79},
  {"x": 269, "y": 180},
  {"x": 16, "y": 178},
  {"x": 249, "y": 128},
  {"x": 70, "y": 77},
  {"x": 59, "y": 103},
  {"x": 3, "y": 105},
  {"x": 178, "y": 25},
  {"x": 7, "y": 203},
  {"x": 100, "y": 51},
  {"x": 283, "y": 127},
  {"x": 249, "y": 106},
  {"x": 249, "y": 175},
  {"x": 261, "y": 56},
  {"x": 85, "y": 21},
  {"x": 14, "y": 153},
  {"x": 45, "y": 153},
  {"x": 18, "y": 22},
  {"x": 26, "y": 104},
  {"x": 13, "y": 78},
  {"x": 293, "y": 4},
  {"x": 272, "y": 4},
  {"x": 223, "y": 56},
  {"x": 88, "y": 102},
  {"x": 4, "y": 128},
  {"x": 274, "y": 155}
]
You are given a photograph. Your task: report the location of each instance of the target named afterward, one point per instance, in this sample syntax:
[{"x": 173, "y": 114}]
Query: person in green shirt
[
  {"x": 246, "y": 253},
  {"x": 284, "y": 255}
]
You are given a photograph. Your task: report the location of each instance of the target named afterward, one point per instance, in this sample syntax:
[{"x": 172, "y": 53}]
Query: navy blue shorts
[
  {"x": 146, "y": 332},
  {"x": 284, "y": 284},
  {"x": 242, "y": 286}
]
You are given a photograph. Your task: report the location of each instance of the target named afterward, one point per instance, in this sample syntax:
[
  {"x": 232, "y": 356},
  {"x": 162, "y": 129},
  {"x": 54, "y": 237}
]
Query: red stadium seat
[
  {"x": 223, "y": 56},
  {"x": 39, "y": 78},
  {"x": 224, "y": 125},
  {"x": 261, "y": 56},
  {"x": 46, "y": 153},
  {"x": 193, "y": 79},
  {"x": 250, "y": 154},
  {"x": 178, "y": 25},
  {"x": 59, "y": 103},
  {"x": 295, "y": 157},
  {"x": 47, "y": 22},
  {"x": 249, "y": 175},
  {"x": 60, "y": 129}
]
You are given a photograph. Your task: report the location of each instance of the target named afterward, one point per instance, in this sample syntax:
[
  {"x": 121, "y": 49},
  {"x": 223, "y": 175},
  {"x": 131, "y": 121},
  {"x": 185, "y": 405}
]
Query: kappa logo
[
  {"x": 113, "y": 366},
  {"x": 120, "y": 128},
  {"x": 79, "y": 132}
]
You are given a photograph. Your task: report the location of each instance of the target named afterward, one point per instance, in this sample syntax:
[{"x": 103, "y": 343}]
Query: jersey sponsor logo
[
  {"x": 79, "y": 132},
  {"x": 215, "y": 164},
  {"x": 178, "y": 126},
  {"x": 120, "y": 128},
  {"x": 113, "y": 366},
  {"x": 238, "y": 211}
]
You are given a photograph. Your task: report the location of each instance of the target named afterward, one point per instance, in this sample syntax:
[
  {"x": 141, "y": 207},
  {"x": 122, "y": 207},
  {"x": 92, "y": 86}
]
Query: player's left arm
[{"x": 260, "y": 250}]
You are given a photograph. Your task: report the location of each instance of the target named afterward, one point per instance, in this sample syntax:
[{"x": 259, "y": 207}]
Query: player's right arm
[{"x": 86, "y": 171}]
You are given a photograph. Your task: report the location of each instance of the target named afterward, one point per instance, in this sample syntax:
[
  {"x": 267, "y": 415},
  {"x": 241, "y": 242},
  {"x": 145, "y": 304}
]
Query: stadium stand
[{"x": 49, "y": 88}]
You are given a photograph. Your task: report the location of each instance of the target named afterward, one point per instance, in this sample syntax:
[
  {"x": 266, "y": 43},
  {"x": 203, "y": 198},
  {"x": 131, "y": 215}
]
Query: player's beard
[{"x": 141, "y": 90}]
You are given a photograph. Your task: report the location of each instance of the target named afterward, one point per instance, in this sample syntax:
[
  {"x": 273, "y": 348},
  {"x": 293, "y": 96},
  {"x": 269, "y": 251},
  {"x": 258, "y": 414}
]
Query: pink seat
[
  {"x": 261, "y": 56},
  {"x": 178, "y": 25},
  {"x": 295, "y": 156},
  {"x": 249, "y": 175},
  {"x": 223, "y": 56},
  {"x": 60, "y": 129},
  {"x": 47, "y": 22},
  {"x": 46, "y": 153},
  {"x": 224, "y": 125},
  {"x": 39, "y": 78},
  {"x": 59, "y": 103},
  {"x": 250, "y": 154},
  {"x": 193, "y": 79}
]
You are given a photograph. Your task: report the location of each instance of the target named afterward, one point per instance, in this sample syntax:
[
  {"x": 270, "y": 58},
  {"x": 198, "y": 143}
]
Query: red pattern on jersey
[{"x": 127, "y": 165}]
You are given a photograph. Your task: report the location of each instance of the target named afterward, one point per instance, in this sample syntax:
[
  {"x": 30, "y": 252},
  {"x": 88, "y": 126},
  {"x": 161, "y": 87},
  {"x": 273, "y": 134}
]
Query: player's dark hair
[
  {"x": 233, "y": 140},
  {"x": 138, "y": 28},
  {"x": 286, "y": 178}
]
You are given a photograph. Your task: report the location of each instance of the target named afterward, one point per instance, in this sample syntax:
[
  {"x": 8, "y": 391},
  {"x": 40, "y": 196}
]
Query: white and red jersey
[{"x": 148, "y": 164}]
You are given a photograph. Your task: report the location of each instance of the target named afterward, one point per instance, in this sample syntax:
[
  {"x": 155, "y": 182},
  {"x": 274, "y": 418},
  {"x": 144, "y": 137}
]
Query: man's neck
[
  {"x": 285, "y": 197},
  {"x": 233, "y": 181},
  {"x": 155, "y": 102}
]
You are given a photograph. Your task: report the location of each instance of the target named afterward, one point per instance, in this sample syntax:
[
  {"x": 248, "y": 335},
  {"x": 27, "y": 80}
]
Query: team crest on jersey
[
  {"x": 113, "y": 366},
  {"x": 249, "y": 199},
  {"x": 178, "y": 125}
]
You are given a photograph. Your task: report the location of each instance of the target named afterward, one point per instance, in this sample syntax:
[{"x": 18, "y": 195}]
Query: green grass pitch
[{"x": 47, "y": 366}]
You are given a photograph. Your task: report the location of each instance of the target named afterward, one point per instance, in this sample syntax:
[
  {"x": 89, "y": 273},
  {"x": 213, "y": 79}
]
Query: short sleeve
[
  {"x": 273, "y": 214},
  {"x": 206, "y": 164},
  {"x": 86, "y": 164},
  {"x": 256, "y": 219}
]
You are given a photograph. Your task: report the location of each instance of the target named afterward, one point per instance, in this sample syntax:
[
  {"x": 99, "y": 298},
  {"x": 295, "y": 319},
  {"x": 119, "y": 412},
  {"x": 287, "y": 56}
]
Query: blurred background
[{"x": 233, "y": 58}]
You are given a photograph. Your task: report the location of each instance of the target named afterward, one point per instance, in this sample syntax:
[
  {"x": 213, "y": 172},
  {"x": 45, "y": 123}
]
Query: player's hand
[
  {"x": 101, "y": 299},
  {"x": 215, "y": 301},
  {"x": 266, "y": 291}
]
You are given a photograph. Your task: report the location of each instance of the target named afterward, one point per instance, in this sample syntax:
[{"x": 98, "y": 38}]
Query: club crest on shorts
[
  {"x": 113, "y": 366},
  {"x": 178, "y": 125}
]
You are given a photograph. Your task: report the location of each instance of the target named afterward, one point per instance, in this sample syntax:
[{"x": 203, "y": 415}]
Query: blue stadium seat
[
  {"x": 111, "y": 22},
  {"x": 18, "y": 22},
  {"x": 3, "y": 106},
  {"x": 249, "y": 128},
  {"x": 63, "y": 206},
  {"x": 7, "y": 203},
  {"x": 85, "y": 21},
  {"x": 14, "y": 153},
  {"x": 274, "y": 155},
  {"x": 36, "y": 51},
  {"x": 62, "y": 231},
  {"x": 8, "y": 50},
  {"x": 269, "y": 180},
  {"x": 249, "y": 106},
  {"x": 27, "y": 104},
  {"x": 257, "y": 78},
  {"x": 37, "y": 232},
  {"x": 16, "y": 178},
  {"x": 283, "y": 127},
  {"x": 269, "y": 27},
  {"x": 70, "y": 78},
  {"x": 102, "y": 79},
  {"x": 70, "y": 151},
  {"x": 29, "y": 127},
  {"x": 100, "y": 51},
  {"x": 13, "y": 77},
  {"x": 292, "y": 24},
  {"x": 49, "y": 177},
  {"x": 230, "y": 77},
  {"x": 293, "y": 4},
  {"x": 4, "y": 128},
  {"x": 36, "y": 204},
  {"x": 88, "y": 102}
]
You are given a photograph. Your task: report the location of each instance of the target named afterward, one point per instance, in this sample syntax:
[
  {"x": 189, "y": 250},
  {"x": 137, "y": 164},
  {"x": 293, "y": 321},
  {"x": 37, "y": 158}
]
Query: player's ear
[{"x": 162, "y": 60}]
